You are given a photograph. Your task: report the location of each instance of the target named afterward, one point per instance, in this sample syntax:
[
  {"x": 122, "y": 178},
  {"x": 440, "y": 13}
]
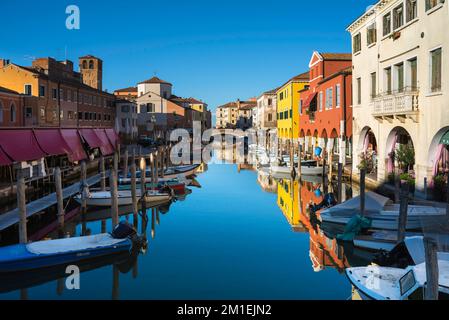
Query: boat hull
[{"x": 18, "y": 258}]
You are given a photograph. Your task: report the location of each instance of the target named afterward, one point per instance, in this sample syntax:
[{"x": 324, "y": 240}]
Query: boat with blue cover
[{"x": 42, "y": 254}]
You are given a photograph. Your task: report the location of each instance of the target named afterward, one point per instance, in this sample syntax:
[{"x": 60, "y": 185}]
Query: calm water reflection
[{"x": 233, "y": 238}]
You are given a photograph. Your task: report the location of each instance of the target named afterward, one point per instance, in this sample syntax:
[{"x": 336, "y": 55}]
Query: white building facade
[
  {"x": 266, "y": 111},
  {"x": 401, "y": 86}
]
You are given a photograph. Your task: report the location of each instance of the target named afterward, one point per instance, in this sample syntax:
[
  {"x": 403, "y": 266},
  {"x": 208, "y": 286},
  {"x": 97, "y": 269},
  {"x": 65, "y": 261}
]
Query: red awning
[
  {"x": 106, "y": 148},
  {"x": 113, "y": 137},
  {"x": 4, "y": 159},
  {"x": 52, "y": 142},
  {"x": 91, "y": 138},
  {"x": 20, "y": 145},
  {"x": 72, "y": 139},
  {"x": 309, "y": 100}
]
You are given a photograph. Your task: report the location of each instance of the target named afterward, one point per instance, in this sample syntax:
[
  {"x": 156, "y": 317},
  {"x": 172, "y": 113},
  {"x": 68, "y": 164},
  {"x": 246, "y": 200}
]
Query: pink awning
[
  {"x": 309, "y": 100},
  {"x": 106, "y": 148},
  {"x": 52, "y": 142},
  {"x": 20, "y": 145},
  {"x": 113, "y": 137},
  {"x": 72, "y": 139},
  {"x": 4, "y": 160}
]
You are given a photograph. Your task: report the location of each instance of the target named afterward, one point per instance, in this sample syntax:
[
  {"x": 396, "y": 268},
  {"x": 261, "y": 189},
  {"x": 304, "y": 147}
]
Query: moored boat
[
  {"x": 179, "y": 172},
  {"x": 156, "y": 196},
  {"x": 385, "y": 283},
  {"x": 49, "y": 253},
  {"x": 382, "y": 213}
]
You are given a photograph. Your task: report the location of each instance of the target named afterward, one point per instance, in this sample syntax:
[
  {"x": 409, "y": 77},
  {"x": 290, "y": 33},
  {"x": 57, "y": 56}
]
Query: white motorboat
[
  {"x": 383, "y": 213},
  {"x": 124, "y": 197},
  {"x": 385, "y": 283},
  {"x": 104, "y": 198}
]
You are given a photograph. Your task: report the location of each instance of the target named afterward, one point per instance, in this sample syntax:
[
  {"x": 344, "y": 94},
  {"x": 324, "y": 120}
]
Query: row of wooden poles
[{"x": 159, "y": 161}]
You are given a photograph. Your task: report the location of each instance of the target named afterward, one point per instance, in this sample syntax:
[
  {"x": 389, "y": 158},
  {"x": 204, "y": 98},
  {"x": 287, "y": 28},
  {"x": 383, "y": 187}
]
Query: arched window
[
  {"x": 84, "y": 64},
  {"x": 12, "y": 113},
  {"x": 91, "y": 64},
  {"x": 1, "y": 112}
]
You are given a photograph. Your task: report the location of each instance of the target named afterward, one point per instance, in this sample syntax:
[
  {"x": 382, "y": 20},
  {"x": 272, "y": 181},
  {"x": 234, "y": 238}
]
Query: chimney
[{"x": 4, "y": 63}]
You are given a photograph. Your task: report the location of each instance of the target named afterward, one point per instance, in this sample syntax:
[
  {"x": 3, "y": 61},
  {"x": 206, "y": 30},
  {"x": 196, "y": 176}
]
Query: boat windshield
[{"x": 407, "y": 282}]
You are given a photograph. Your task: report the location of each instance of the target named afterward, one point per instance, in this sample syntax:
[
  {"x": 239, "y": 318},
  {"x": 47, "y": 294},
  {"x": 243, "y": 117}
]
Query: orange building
[
  {"x": 11, "y": 108},
  {"x": 54, "y": 95},
  {"x": 126, "y": 93},
  {"x": 325, "y": 112}
]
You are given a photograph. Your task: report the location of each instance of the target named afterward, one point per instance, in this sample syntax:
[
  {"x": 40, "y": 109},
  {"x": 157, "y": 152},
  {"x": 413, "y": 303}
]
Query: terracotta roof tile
[
  {"x": 337, "y": 56},
  {"x": 155, "y": 80}
]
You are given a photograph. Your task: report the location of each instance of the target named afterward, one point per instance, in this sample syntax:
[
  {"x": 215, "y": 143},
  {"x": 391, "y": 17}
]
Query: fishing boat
[
  {"x": 42, "y": 254},
  {"x": 124, "y": 197},
  {"x": 382, "y": 212},
  {"x": 178, "y": 172},
  {"x": 386, "y": 283},
  {"x": 380, "y": 240}
]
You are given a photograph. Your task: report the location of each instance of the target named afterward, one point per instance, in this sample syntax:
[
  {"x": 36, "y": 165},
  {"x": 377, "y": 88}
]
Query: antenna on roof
[{"x": 65, "y": 53}]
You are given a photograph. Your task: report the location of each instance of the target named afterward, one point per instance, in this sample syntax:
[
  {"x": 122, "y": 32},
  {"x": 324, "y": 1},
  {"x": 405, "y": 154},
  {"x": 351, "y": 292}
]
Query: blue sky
[{"x": 216, "y": 51}]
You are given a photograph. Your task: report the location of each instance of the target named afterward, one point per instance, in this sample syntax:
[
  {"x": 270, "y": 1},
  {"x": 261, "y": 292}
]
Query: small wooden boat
[
  {"x": 385, "y": 283},
  {"x": 48, "y": 253},
  {"x": 382, "y": 212},
  {"x": 178, "y": 172},
  {"x": 380, "y": 240}
]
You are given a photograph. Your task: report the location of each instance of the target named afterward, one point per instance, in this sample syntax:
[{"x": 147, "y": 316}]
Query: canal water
[{"x": 229, "y": 239}]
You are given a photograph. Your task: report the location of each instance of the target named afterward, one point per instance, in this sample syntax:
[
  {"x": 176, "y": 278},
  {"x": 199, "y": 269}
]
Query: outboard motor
[{"x": 123, "y": 230}]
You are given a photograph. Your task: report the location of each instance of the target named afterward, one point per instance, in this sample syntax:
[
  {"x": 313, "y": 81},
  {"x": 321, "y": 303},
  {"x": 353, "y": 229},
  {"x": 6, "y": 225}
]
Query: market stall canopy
[
  {"x": 52, "y": 142},
  {"x": 4, "y": 159},
  {"x": 106, "y": 147},
  {"x": 112, "y": 136},
  {"x": 72, "y": 139},
  {"x": 91, "y": 138},
  {"x": 20, "y": 145}
]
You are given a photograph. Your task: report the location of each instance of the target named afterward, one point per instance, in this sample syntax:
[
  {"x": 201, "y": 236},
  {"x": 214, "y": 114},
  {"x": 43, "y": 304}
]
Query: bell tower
[{"x": 91, "y": 69}]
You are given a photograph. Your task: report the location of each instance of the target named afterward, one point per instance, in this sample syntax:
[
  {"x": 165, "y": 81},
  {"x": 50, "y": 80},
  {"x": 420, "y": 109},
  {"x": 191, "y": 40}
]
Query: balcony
[{"x": 400, "y": 105}]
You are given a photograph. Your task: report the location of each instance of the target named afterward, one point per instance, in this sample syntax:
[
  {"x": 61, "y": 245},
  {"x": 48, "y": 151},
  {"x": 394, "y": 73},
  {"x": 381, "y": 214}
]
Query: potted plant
[{"x": 439, "y": 183}]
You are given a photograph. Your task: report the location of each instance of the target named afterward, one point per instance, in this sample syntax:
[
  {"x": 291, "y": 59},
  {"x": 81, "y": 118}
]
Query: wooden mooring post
[
  {"x": 403, "y": 211},
  {"x": 362, "y": 191},
  {"x": 116, "y": 161},
  {"x": 134, "y": 190},
  {"x": 143, "y": 171},
  {"x": 59, "y": 198},
  {"x": 125, "y": 163},
  {"x": 156, "y": 164},
  {"x": 292, "y": 160},
  {"x": 102, "y": 173},
  {"x": 83, "y": 183},
  {"x": 339, "y": 181},
  {"x": 21, "y": 204},
  {"x": 114, "y": 198},
  {"x": 299, "y": 160},
  {"x": 432, "y": 272}
]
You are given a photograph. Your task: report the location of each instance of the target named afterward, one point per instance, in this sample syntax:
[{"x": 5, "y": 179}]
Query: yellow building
[
  {"x": 288, "y": 100},
  {"x": 201, "y": 107},
  {"x": 288, "y": 202}
]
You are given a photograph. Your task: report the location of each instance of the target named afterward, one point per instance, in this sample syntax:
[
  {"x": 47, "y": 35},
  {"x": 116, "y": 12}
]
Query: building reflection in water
[{"x": 294, "y": 200}]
